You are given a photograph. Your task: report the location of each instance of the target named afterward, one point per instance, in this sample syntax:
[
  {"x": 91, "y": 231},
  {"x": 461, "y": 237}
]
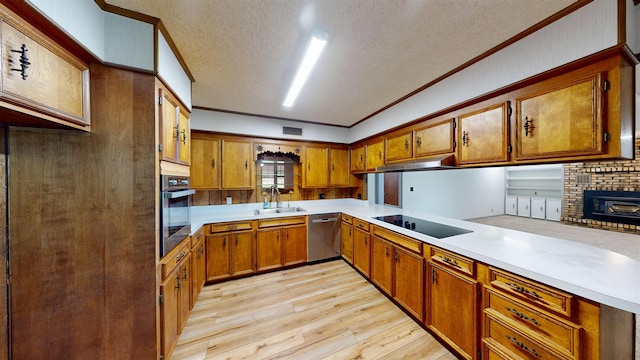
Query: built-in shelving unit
[{"x": 535, "y": 191}]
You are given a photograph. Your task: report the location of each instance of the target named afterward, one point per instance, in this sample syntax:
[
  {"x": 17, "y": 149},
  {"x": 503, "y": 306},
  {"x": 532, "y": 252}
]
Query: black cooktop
[{"x": 425, "y": 227}]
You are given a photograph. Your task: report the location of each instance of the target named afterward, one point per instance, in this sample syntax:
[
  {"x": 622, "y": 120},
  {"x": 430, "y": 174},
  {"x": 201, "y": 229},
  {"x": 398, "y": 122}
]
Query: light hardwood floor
[{"x": 321, "y": 311}]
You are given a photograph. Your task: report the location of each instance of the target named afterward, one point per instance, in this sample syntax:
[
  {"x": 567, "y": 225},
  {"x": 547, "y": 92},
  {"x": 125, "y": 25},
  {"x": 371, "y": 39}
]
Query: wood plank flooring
[{"x": 322, "y": 311}]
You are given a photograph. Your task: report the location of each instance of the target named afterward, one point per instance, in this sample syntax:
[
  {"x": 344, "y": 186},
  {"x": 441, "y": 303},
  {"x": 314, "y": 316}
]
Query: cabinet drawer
[
  {"x": 285, "y": 221},
  {"x": 454, "y": 261},
  {"x": 399, "y": 239},
  {"x": 347, "y": 218},
  {"x": 223, "y": 227},
  {"x": 174, "y": 257},
  {"x": 361, "y": 224},
  {"x": 534, "y": 293},
  {"x": 563, "y": 333},
  {"x": 198, "y": 235},
  {"x": 504, "y": 336}
]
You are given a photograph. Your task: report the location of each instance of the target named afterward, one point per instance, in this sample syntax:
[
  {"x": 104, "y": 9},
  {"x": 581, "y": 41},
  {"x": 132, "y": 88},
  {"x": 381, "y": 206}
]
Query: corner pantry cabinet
[{"x": 40, "y": 78}]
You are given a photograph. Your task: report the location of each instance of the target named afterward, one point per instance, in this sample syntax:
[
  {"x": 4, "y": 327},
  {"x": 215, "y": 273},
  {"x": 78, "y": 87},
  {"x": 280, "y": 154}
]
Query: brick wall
[{"x": 604, "y": 175}]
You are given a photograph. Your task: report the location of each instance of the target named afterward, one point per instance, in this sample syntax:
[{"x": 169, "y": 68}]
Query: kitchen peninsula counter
[{"x": 593, "y": 273}]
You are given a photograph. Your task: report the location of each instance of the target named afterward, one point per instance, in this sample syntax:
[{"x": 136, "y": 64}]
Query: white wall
[
  {"x": 460, "y": 194},
  {"x": 83, "y": 20},
  {"x": 586, "y": 31},
  {"x": 128, "y": 42},
  {"x": 171, "y": 71},
  {"x": 264, "y": 127},
  {"x": 633, "y": 26}
]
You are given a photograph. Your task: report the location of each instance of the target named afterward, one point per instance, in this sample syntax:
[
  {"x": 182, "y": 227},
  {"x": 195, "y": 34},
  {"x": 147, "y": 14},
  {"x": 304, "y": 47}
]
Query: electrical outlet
[{"x": 229, "y": 200}]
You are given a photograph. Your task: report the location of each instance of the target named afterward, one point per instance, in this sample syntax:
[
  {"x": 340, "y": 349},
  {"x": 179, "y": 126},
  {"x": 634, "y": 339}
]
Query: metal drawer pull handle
[
  {"x": 449, "y": 261},
  {"x": 24, "y": 61},
  {"x": 522, "y": 316},
  {"x": 523, "y": 290},
  {"x": 523, "y": 346},
  {"x": 179, "y": 257}
]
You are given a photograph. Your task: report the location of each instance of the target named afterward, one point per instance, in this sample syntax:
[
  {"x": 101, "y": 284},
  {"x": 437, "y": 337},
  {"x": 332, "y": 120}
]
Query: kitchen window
[{"x": 276, "y": 171}]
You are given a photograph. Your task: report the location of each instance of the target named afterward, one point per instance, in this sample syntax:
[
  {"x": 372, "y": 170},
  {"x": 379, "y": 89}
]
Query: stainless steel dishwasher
[{"x": 323, "y": 237}]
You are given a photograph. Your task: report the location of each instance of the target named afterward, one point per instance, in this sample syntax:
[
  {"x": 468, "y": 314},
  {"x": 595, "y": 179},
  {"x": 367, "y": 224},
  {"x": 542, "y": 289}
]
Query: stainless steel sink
[{"x": 278, "y": 210}]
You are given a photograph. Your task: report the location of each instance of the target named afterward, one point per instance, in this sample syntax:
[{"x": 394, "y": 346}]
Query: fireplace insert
[{"x": 612, "y": 206}]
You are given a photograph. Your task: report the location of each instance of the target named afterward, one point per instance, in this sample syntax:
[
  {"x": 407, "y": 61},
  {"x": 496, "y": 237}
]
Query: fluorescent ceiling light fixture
[{"x": 318, "y": 41}]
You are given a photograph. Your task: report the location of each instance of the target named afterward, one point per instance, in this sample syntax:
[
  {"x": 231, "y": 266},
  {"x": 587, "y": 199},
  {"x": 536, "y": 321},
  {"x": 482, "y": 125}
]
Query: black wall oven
[{"x": 175, "y": 219}]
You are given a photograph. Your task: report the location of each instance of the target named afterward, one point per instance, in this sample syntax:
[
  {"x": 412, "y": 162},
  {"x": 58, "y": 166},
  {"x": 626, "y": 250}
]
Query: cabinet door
[
  {"x": 361, "y": 251},
  {"x": 346, "y": 243},
  {"x": 358, "y": 161},
  {"x": 524, "y": 206},
  {"x": 55, "y": 82},
  {"x": 381, "y": 262},
  {"x": 218, "y": 256},
  {"x": 198, "y": 270},
  {"x": 563, "y": 121},
  {"x": 538, "y": 208},
  {"x": 269, "y": 249},
  {"x": 453, "y": 309},
  {"x": 339, "y": 174},
  {"x": 169, "y": 318},
  {"x": 399, "y": 147},
  {"x": 169, "y": 110},
  {"x": 295, "y": 244},
  {"x": 184, "y": 136},
  {"x": 483, "y": 135},
  {"x": 435, "y": 139},
  {"x": 409, "y": 281},
  {"x": 237, "y": 165},
  {"x": 242, "y": 251},
  {"x": 553, "y": 209},
  {"x": 375, "y": 155},
  {"x": 511, "y": 205},
  {"x": 205, "y": 163},
  {"x": 185, "y": 291},
  {"x": 315, "y": 168}
]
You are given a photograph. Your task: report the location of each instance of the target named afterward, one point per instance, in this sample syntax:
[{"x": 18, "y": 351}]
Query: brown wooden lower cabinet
[
  {"x": 198, "y": 264},
  {"x": 361, "y": 251},
  {"x": 452, "y": 309},
  {"x": 230, "y": 254},
  {"x": 281, "y": 242},
  {"x": 175, "y": 294},
  {"x": 399, "y": 273},
  {"x": 346, "y": 237}
]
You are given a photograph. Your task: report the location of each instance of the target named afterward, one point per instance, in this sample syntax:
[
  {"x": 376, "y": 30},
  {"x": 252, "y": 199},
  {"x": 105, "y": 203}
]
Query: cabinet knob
[
  {"x": 465, "y": 138},
  {"x": 406, "y": 144},
  {"x": 418, "y": 142}
]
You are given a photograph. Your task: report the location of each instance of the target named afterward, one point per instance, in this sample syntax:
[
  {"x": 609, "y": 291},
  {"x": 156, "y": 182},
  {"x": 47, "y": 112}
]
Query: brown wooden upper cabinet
[
  {"x": 40, "y": 78},
  {"x": 358, "y": 160},
  {"x": 482, "y": 135},
  {"x": 339, "y": 174},
  {"x": 375, "y": 155},
  {"x": 399, "y": 147},
  {"x": 205, "y": 162},
  {"x": 435, "y": 138},
  {"x": 237, "y": 164},
  {"x": 562, "y": 119},
  {"x": 314, "y": 167},
  {"x": 175, "y": 131}
]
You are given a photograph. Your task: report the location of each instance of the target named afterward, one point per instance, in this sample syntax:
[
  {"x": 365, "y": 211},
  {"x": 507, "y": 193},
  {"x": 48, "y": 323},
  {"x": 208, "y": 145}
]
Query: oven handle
[{"x": 177, "y": 194}]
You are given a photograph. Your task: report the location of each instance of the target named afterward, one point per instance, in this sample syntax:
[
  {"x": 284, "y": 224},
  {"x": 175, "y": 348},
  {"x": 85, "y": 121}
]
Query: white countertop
[{"x": 596, "y": 274}]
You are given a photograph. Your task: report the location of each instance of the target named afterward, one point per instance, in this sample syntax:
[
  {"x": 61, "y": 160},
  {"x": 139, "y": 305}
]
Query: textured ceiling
[{"x": 243, "y": 54}]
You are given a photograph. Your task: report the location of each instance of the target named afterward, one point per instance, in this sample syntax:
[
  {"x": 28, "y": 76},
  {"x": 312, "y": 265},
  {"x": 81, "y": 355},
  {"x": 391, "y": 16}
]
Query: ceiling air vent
[{"x": 286, "y": 130}]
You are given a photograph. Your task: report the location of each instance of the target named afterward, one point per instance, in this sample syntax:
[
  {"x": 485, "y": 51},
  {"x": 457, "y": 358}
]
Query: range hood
[{"x": 433, "y": 163}]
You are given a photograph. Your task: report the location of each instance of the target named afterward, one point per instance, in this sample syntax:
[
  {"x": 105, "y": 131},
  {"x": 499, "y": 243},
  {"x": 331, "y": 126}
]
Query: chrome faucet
[{"x": 274, "y": 189}]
